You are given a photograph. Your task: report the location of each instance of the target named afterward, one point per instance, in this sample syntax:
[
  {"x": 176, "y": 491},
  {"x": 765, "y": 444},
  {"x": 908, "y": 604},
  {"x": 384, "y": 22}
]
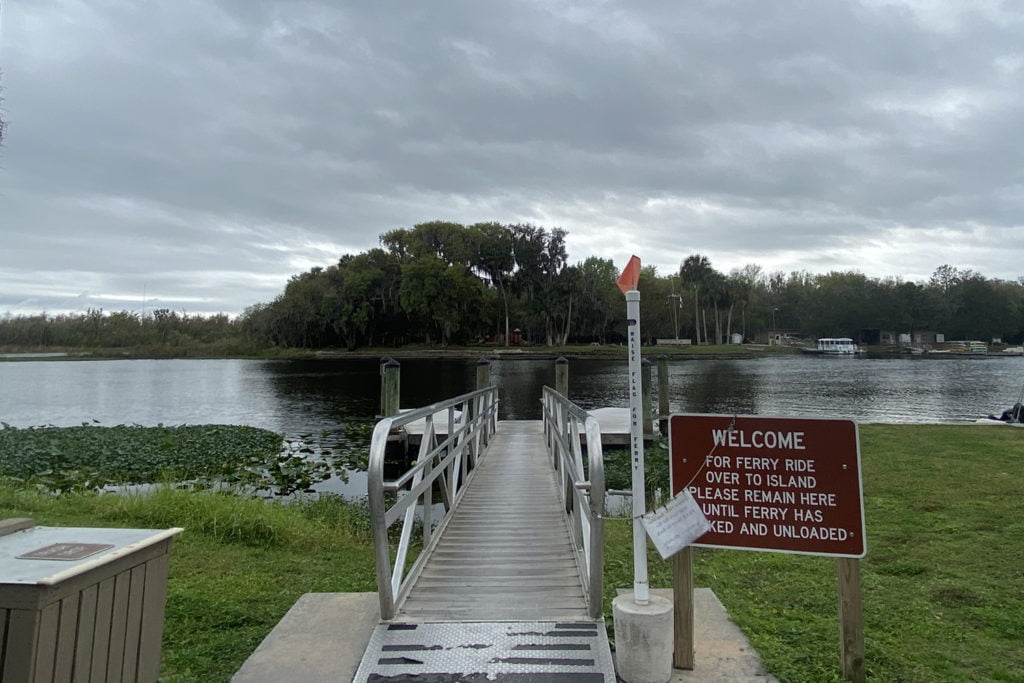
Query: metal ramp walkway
[
  {"x": 507, "y": 586},
  {"x": 506, "y": 553}
]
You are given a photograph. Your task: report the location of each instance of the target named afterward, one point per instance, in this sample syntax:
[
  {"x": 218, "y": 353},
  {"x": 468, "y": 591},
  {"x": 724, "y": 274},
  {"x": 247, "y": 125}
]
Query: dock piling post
[
  {"x": 645, "y": 374},
  {"x": 483, "y": 373},
  {"x": 380, "y": 409},
  {"x": 562, "y": 376},
  {"x": 663, "y": 406},
  {"x": 391, "y": 392}
]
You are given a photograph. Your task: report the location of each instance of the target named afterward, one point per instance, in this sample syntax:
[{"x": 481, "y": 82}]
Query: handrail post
[
  {"x": 480, "y": 405},
  {"x": 583, "y": 488},
  {"x": 375, "y": 500},
  {"x": 595, "y": 462}
]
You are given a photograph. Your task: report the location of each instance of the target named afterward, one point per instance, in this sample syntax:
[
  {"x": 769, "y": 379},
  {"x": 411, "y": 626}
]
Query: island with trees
[{"x": 442, "y": 284}]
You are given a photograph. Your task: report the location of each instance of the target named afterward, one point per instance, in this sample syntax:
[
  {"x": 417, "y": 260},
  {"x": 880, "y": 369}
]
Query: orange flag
[{"x": 630, "y": 276}]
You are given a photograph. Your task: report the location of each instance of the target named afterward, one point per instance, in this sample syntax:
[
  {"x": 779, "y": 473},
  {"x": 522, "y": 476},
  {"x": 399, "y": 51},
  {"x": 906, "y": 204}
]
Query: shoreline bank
[
  {"x": 492, "y": 354},
  {"x": 468, "y": 353}
]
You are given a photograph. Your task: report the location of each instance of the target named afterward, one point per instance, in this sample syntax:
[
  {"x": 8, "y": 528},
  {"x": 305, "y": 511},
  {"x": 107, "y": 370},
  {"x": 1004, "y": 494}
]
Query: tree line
[
  {"x": 443, "y": 283},
  {"x": 97, "y": 329}
]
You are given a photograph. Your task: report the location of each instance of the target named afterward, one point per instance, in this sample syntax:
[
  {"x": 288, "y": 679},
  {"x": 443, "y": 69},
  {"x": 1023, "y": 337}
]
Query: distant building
[
  {"x": 871, "y": 336},
  {"x": 922, "y": 338},
  {"x": 785, "y": 338}
]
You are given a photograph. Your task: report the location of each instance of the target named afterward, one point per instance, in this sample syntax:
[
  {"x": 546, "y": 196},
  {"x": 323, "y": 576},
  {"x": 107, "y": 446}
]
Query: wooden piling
[
  {"x": 663, "y": 406},
  {"x": 483, "y": 373},
  {"x": 645, "y": 374},
  {"x": 562, "y": 376},
  {"x": 380, "y": 408},
  {"x": 391, "y": 388}
]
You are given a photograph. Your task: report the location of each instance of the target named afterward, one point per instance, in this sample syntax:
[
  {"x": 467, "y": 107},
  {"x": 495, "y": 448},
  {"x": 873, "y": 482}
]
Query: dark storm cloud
[{"x": 213, "y": 149}]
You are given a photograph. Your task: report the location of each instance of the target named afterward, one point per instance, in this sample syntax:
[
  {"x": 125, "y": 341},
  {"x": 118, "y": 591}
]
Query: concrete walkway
[
  {"x": 323, "y": 636},
  {"x": 722, "y": 654}
]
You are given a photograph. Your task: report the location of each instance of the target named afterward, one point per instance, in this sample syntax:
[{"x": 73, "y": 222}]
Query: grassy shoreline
[{"x": 943, "y": 589}]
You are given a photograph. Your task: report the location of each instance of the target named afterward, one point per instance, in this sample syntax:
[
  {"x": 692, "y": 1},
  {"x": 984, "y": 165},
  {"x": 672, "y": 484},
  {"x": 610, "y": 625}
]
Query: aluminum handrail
[
  {"x": 581, "y": 486},
  {"x": 471, "y": 420}
]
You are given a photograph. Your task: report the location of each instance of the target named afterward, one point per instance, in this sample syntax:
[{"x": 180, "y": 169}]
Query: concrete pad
[
  {"x": 722, "y": 654},
  {"x": 322, "y": 638}
]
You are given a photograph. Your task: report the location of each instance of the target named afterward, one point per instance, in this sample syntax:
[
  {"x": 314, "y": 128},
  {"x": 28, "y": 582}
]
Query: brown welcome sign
[{"x": 788, "y": 485}]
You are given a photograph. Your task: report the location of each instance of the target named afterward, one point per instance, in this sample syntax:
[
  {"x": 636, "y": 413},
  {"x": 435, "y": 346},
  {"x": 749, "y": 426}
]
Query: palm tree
[{"x": 696, "y": 273}]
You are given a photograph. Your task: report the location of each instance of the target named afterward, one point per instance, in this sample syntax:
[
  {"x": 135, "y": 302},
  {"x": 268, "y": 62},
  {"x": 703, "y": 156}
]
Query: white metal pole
[{"x": 641, "y": 593}]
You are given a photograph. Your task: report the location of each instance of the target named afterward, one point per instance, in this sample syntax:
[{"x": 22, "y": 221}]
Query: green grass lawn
[
  {"x": 943, "y": 580},
  {"x": 237, "y": 568}
]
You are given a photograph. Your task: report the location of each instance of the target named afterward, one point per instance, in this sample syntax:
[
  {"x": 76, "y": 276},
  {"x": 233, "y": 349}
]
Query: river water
[
  {"x": 310, "y": 401},
  {"x": 294, "y": 397}
]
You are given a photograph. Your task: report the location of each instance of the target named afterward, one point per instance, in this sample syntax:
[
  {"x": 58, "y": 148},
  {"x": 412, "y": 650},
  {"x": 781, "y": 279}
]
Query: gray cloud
[{"x": 210, "y": 150}]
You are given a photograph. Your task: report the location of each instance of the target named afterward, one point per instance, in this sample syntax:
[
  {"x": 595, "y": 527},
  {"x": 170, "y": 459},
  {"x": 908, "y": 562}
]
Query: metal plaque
[{"x": 66, "y": 551}]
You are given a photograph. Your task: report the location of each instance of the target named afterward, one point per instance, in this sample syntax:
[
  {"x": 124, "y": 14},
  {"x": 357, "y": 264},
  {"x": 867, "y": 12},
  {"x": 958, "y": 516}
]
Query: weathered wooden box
[{"x": 81, "y": 604}]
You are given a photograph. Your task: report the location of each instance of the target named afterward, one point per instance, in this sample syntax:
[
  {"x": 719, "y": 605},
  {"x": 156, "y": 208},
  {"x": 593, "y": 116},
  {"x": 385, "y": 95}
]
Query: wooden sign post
[
  {"x": 682, "y": 598},
  {"x": 781, "y": 485},
  {"x": 851, "y": 620}
]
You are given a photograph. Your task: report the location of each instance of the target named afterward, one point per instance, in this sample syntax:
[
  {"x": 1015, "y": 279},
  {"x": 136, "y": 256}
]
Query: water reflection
[
  {"x": 314, "y": 400},
  {"x": 863, "y": 389},
  {"x": 296, "y": 397},
  {"x": 321, "y": 395},
  {"x": 718, "y": 387},
  {"x": 519, "y": 387}
]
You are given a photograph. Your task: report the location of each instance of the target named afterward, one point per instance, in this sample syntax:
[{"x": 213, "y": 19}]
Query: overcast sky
[{"x": 198, "y": 153}]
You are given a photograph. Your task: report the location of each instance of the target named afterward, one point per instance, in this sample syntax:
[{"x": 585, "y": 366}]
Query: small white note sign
[{"x": 677, "y": 525}]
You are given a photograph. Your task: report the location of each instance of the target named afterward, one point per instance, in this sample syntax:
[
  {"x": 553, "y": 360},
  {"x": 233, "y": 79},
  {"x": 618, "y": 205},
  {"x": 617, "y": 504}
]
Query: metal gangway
[{"x": 489, "y": 545}]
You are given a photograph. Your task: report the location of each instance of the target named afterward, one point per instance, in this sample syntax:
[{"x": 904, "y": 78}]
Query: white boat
[{"x": 835, "y": 346}]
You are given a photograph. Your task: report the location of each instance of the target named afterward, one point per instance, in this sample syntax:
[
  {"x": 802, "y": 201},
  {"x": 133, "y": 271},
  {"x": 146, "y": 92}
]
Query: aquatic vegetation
[{"x": 91, "y": 457}]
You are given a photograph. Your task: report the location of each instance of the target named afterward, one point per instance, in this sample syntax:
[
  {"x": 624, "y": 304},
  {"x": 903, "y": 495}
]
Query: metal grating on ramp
[
  {"x": 506, "y": 554},
  {"x": 513, "y": 652}
]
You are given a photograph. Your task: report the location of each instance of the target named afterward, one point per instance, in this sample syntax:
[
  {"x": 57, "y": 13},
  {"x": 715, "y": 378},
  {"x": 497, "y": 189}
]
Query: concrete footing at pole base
[{"x": 643, "y": 639}]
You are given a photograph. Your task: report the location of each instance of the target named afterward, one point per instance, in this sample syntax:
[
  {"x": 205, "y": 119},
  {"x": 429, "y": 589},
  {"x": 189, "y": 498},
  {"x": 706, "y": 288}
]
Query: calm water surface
[
  {"x": 302, "y": 398},
  {"x": 294, "y": 397}
]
